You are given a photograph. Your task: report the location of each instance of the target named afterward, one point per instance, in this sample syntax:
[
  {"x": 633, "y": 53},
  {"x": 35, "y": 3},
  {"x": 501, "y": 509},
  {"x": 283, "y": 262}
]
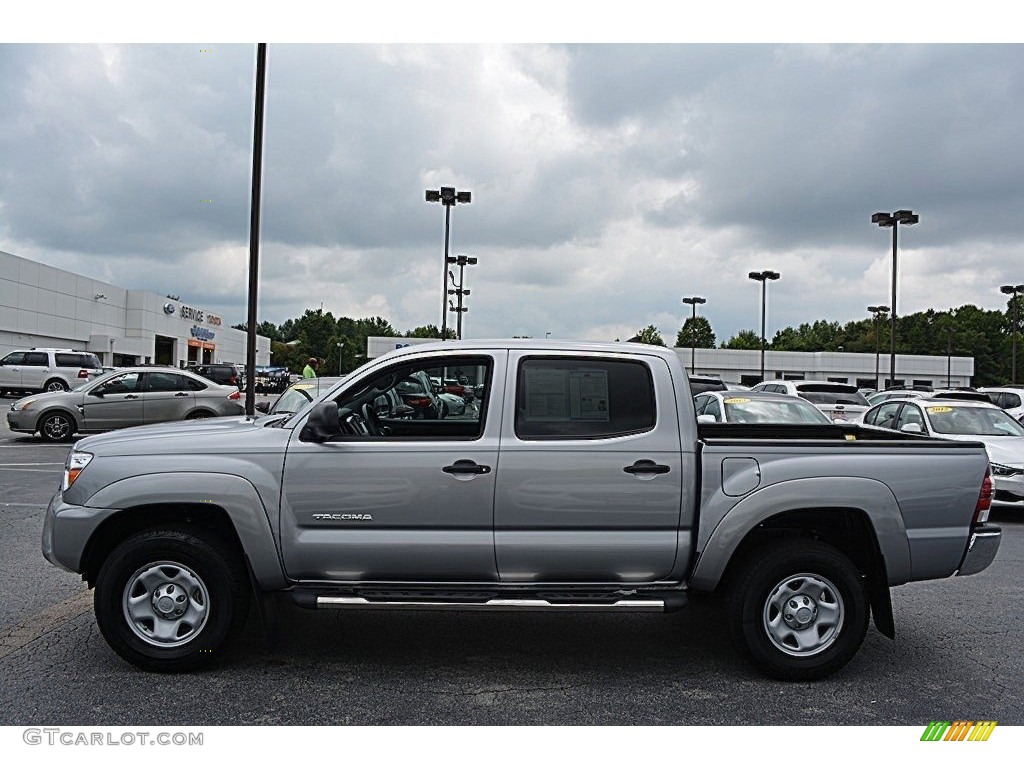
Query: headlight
[
  {"x": 21, "y": 405},
  {"x": 77, "y": 461},
  {"x": 1001, "y": 470}
]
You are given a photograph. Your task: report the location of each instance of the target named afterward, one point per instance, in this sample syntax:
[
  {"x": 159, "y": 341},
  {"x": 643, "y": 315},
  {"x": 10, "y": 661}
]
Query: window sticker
[
  {"x": 939, "y": 409},
  {"x": 736, "y": 400},
  {"x": 562, "y": 394}
]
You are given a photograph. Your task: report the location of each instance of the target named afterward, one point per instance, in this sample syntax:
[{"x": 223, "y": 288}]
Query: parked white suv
[
  {"x": 47, "y": 370},
  {"x": 1007, "y": 398},
  {"x": 837, "y": 401}
]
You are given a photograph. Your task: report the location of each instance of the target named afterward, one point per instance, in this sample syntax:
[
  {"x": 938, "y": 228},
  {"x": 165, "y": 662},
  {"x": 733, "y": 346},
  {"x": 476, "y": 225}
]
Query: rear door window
[{"x": 583, "y": 398}]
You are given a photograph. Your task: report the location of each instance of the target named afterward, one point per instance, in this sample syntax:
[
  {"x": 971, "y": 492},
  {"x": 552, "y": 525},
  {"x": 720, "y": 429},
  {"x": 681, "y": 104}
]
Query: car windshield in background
[
  {"x": 819, "y": 397},
  {"x": 965, "y": 420},
  {"x": 745, "y": 410}
]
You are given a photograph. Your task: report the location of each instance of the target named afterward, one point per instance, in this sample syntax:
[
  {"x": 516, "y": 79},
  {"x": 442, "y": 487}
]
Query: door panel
[
  {"x": 567, "y": 510},
  {"x": 119, "y": 406},
  {"x": 384, "y": 508},
  {"x": 166, "y": 396}
]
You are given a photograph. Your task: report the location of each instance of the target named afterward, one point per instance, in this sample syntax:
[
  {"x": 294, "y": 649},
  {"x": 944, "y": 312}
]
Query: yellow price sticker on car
[
  {"x": 939, "y": 409},
  {"x": 736, "y": 400},
  {"x": 302, "y": 386}
]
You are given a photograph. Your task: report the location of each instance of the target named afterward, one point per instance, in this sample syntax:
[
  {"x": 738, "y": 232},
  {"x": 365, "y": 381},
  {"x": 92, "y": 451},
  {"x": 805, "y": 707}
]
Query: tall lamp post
[
  {"x": 894, "y": 220},
  {"x": 341, "y": 357},
  {"x": 1014, "y": 290},
  {"x": 763, "y": 278},
  {"x": 459, "y": 291},
  {"x": 693, "y": 301},
  {"x": 446, "y": 196},
  {"x": 876, "y": 311}
]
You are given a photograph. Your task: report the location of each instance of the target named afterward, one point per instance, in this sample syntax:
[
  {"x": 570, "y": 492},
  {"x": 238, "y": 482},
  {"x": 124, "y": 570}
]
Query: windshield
[
  {"x": 745, "y": 410},
  {"x": 965, "y": 420},
  {"x": 293, "y": 399}
]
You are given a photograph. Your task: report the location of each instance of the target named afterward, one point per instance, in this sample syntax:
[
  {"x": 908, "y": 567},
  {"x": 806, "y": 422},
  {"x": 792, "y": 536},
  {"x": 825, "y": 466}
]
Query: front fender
[
  {"x": 872, "y": 497},
  {"x": 235, "y": 495}
]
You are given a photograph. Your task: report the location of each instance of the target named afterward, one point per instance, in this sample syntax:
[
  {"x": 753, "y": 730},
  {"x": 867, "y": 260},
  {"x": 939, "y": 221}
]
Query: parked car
[
  {"x": 417, "y": 391},
  {"x": 748, "y": 407},
  {"x": 1007, "y": 398},
  {"x": 127, "y": 397},
  {"x": 583, "y": 482},
  {"x": 838, "y": 401},
  {"x": 453, "y": 404},
  {"x": 1002, "y": 435},
  {"x": 893, "y": 394},
  {"x": 47, "y": 370},
  {"x": 219, "y": 373},
  {"x": 271, "y": 378},
  {"x": 298, "y": 395}
]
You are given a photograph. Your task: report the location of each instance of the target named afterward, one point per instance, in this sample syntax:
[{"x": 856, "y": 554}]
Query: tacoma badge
[{"x": 342, "y": 516}]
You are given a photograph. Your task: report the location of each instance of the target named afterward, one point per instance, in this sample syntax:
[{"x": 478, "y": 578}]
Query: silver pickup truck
[{"x": 578, "y": 481}]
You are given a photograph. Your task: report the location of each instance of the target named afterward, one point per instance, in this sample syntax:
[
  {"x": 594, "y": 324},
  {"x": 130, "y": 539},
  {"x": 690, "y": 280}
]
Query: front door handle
[
  {"x": 181, "y": 394},
  {"x": 131, "y": 397},
  {"x": 646, "y": 467},
  {"x": 466, "y": 467}
]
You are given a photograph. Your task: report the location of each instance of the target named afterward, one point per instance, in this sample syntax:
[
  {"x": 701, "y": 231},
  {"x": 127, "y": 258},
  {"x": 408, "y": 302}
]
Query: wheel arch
[
  {"x": 227, "y": 504},
  {"x": 53, "y": 409}
]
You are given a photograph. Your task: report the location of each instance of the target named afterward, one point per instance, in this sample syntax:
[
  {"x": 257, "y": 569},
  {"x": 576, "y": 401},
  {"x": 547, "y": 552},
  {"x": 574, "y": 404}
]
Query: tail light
[
  {"x": 419, "y": 402},
  {"x": 83, "y": 374},
  {"x": 233, "y": 380},
  {"x": 984, "y": 500},
  {"x": 234, "y": 395}
]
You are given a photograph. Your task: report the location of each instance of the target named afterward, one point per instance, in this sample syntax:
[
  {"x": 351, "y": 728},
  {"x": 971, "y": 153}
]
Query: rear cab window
[{"x": 583, "y": 398}]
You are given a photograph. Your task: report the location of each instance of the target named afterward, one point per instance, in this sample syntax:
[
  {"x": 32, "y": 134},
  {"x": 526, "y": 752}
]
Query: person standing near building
[{"x": 309, "y": 372}]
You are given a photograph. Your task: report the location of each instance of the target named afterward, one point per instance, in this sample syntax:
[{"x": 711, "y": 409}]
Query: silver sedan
[{"x": 126, "y": 397}]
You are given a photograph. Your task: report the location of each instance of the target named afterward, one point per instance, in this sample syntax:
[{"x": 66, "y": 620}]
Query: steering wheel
[{"x": 373, "y": 421}]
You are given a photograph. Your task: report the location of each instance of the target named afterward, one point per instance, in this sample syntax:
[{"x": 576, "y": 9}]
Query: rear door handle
[
  {"x": 646, "y": 467},
  {"x": 466, "y": 467}
]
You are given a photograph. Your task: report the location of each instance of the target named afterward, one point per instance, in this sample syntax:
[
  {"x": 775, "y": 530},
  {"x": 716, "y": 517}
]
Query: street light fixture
[
  {"x": 763, "y": 278},
  {"x": 341, "y": 357},
  {"x": 459, "y": 290},
  {"x": 876, "y": 311},
  {"x": 894, "y": 220},
  {"x": 693, "y": 301},
  {"x": 1014, "y": 290},
  {"x": 446, "y": 196}
]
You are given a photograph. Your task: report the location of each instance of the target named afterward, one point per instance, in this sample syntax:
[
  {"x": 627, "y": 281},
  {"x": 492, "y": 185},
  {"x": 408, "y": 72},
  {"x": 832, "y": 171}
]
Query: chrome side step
[{"x": 494, "y": 604}]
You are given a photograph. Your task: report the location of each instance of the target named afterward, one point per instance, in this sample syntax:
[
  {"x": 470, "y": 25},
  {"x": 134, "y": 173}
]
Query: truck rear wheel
[
  {"x": 800, "y": 609},
  {"x": 171, "y": 600}
]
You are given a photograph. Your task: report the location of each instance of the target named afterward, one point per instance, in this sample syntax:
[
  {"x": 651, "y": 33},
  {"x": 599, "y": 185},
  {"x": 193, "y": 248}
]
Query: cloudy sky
[{"x": 608, "y": 181}]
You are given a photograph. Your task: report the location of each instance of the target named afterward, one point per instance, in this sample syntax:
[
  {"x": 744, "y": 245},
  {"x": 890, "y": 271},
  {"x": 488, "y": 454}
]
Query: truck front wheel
[
  {"x": 170, "y": 600},
  {"x": 800, "y": 609}
]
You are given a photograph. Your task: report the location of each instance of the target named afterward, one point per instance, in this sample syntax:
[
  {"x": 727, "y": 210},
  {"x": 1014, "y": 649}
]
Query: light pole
[
  {"x": 949, "y": 358},
  {"x": 876, "y": 311},
  {"x": 693, "y": 301},
  {"x": 894, "y": 220},
  {"x": 763, "y": 278},
  {"x": 459, "y": 291},
  {"x": 341, "y": 357},
  {"x": 1013, "y": 289},
  {"x": 446, "y": 196}
]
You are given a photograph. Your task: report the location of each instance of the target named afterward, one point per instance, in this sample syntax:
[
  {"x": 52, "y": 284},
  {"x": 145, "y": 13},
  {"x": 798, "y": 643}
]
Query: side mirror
[
  {"x": 914, "y": 429},
  {"x": 263, "y": 406},
  {"x": 706, "y": 418},
  {"x": 99, "y": 391},
  {"x": 404, "y": 411},
  {"x": 322, "y": 423}
]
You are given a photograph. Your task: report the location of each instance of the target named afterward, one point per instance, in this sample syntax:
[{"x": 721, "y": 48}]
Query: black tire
[
  {"x": 823, "y": 588},
  {"x": 195, "y": 556},
  {"x": 56, "y": 426},
  {"x": 56, "y": 385}
]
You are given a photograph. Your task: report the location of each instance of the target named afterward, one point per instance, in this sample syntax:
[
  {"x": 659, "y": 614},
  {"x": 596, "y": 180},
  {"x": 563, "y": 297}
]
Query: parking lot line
[
  {"x": 36, "y": 464},
  {"x": 47, "y": 620},
  {"x": 22, "y": 469}
]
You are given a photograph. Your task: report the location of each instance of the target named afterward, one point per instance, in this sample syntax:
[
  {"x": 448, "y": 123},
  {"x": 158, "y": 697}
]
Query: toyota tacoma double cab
[{"x": 580, "y": 482}]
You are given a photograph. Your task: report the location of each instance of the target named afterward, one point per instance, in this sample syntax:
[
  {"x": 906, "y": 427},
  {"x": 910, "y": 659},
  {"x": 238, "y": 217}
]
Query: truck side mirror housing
[
  {"x": 322, "y": 423},
  {"x": 262, "y": 406},
  {"x": 914, "y": 429}
]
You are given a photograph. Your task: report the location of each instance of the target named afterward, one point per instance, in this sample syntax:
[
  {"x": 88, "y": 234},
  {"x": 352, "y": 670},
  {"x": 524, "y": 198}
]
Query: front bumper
[
  {"x": 981, "y": 550},
  {"x": 21, "y": 421},
  {"x": 67, "y": 529},
  {"x": 1008, "y": 489}
]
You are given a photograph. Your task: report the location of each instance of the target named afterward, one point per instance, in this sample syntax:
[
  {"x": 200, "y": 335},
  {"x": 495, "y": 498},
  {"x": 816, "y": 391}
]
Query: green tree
[
  {"x": 649, "y": 335},
  {"x": 429, "y": 331},
  {"x": 696, "y": 333},
  {"x": 745, "y": 339}
]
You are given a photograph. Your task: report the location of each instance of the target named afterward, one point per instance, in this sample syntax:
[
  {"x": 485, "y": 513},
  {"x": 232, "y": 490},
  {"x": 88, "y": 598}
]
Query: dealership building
[
  {"x": 743, "y": 366},
  {"x": 41, "y": 306}
]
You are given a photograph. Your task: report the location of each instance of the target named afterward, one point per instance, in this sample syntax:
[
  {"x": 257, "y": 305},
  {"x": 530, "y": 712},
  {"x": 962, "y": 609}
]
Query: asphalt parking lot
[{"x": 959, "y": 654}]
